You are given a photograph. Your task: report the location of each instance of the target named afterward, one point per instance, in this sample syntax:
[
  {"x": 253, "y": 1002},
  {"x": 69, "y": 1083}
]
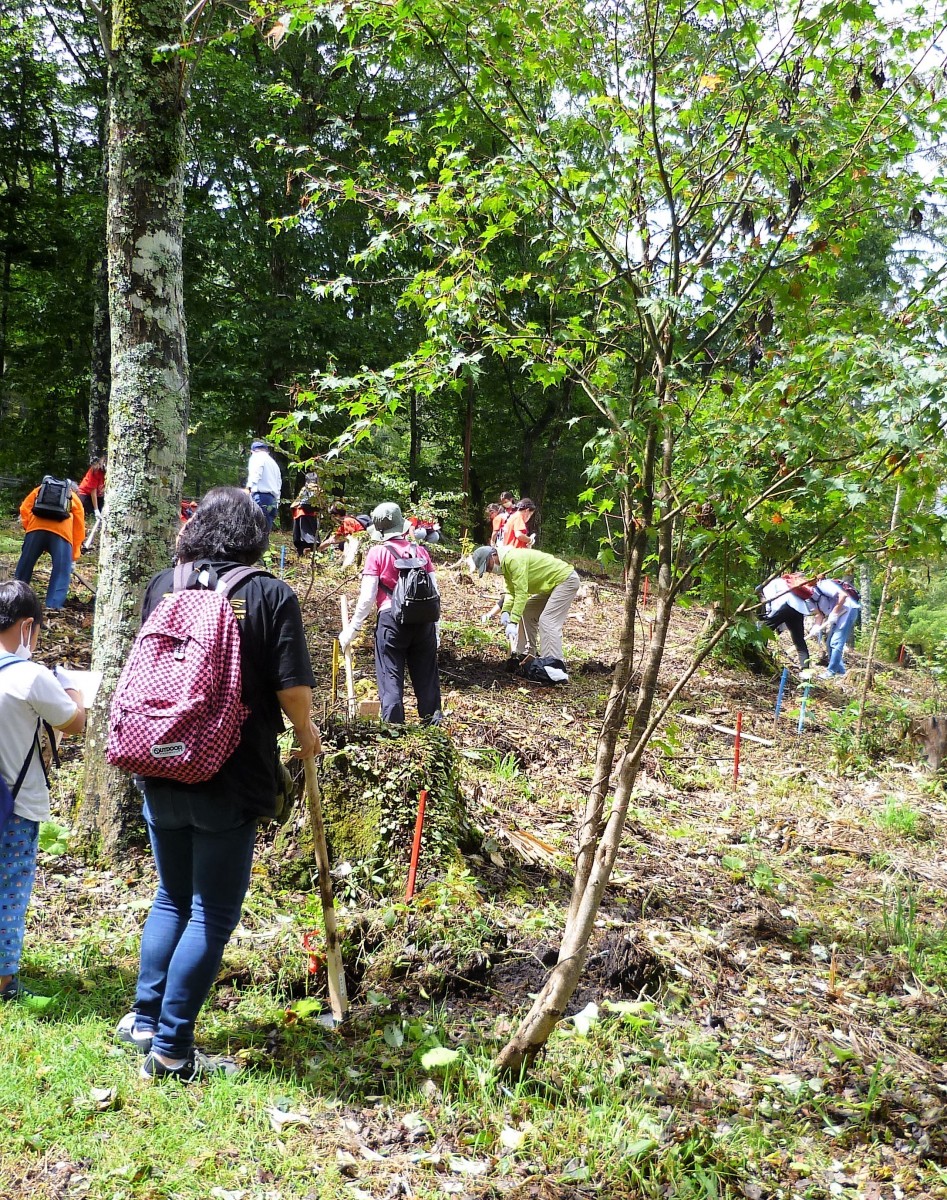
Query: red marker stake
[
  {"x": 416, "y": 848},
  {"x": 736, "y": 749},
  {"x": 901, "y": 655}
]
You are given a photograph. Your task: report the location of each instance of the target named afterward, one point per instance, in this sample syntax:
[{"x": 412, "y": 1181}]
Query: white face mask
[
  {"x": 497, "y": 568},
  {"x": 25, "y": 650}
]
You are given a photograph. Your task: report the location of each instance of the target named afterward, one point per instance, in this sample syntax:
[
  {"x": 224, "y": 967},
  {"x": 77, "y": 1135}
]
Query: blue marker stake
[
  {"x": 782, "y": 688},
  {"x": 282, "y": 561},
  {"x": 802, "y": 708}
]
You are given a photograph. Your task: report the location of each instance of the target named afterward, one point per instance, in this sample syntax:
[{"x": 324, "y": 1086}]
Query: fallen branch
[{"x": 703, "y": 723}]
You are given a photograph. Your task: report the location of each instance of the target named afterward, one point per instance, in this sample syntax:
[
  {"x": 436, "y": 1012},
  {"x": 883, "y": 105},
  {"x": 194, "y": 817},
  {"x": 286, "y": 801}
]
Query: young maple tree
[{"x": 661, "y": 204}]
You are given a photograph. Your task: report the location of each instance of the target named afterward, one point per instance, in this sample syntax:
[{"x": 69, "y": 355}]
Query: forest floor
[{"x": 762, "y": 1015}]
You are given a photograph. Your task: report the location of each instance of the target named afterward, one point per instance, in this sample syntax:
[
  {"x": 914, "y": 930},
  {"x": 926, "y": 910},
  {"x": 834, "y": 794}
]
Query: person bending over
[{"x": 539, "y": 593}]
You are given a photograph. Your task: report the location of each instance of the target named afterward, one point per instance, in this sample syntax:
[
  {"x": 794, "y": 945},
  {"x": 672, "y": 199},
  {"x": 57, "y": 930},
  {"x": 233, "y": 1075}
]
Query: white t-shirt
[
  {"x": 777, "y": 592},
  {"x": 827, "y": 594},
  {"x": 28, "y": 691},
  {"x": 263, "y": 475}
]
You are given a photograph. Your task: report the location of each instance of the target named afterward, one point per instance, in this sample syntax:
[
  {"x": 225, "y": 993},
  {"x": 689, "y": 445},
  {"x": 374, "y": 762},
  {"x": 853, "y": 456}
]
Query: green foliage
[{"x": 924, "y": 623}]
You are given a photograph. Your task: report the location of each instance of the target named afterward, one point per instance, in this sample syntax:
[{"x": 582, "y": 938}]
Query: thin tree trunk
[
  {"x": 613, "y": 722},
  {"x": 100, "y": 364},
  {"x": 876, "y": 629},
  {"x": 599, "y": 858},
  {"x": 864, "y": 587},
  {"x": 468, "y": 446},
  {"x": 149, "y": 394},
  {"x": 414, "y": 448}
]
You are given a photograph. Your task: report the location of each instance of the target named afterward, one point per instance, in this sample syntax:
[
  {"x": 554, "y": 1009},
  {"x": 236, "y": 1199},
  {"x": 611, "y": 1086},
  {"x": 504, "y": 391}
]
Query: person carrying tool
[
  {"x": 539, "y": 593},
  {"x": 202, "y": 833},
  {"x": 400, "y": 641}
]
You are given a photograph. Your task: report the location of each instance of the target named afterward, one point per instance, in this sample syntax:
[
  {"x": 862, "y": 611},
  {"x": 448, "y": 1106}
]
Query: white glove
[
  {"x": 346, "y": 638},
  {"x": 512, "y": 632},
  {"x": 504, "y": 619},
  {"x": 484, "y": 618}
]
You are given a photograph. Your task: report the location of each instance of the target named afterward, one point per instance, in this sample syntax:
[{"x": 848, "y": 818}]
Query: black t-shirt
[{"x": 273, "y": 656}]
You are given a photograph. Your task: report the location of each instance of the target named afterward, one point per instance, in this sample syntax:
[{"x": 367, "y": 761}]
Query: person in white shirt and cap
[{"x": 264, "y": 481}]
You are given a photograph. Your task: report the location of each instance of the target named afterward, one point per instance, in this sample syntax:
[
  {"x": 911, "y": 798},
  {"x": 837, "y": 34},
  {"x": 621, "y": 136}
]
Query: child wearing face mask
[{"x": 29, "y": 696}]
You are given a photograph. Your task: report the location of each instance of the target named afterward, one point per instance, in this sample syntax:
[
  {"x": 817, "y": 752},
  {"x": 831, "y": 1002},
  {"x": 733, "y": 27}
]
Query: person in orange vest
[{"x": 60, "y": 537}]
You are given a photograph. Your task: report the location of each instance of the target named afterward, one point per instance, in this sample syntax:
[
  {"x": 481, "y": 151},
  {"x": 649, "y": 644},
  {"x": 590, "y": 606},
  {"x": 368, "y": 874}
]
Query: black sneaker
[
  {"x": 127, "y": 1033},
  {"x": 14, "y": 990},
  {"x": 197, "y": 1065}
]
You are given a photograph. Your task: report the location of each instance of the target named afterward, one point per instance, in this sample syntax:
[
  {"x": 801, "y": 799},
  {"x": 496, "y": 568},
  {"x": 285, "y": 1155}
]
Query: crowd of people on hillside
[{"x": 205, "y": 787}]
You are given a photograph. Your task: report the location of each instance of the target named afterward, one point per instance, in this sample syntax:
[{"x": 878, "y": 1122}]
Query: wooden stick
[
  {"x": 349, "y": 673},
  {"x": 338, "y": 996},
  {"x": 85, "y": 583},
  {"x": 703, "y": 723},
  {"x": 736, "y": 748},
  {"x": 416, "y": 848}
]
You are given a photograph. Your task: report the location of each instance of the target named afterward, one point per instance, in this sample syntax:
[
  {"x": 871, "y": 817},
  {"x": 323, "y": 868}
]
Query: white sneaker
[{"x": 127, "y": 1033}]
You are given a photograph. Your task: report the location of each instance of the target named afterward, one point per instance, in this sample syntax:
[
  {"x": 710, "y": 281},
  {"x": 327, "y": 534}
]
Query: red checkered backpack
[{"x": 177, "y": 711}]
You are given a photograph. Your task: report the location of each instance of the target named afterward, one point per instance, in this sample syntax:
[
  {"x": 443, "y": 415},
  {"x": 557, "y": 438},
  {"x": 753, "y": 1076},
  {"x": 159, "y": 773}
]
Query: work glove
[
  {"x": 484, "y": 618},
  {"x": 504, "y": 619},
  {"x": 346, "y": 638},
  {"x": 512, "y": 632}
]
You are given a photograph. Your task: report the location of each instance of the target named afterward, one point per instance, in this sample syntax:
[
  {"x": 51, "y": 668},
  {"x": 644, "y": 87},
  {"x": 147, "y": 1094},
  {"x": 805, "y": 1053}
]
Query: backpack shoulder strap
[
  {"x": 233, "y": 579},
  {"x": 34, "y": 745}
]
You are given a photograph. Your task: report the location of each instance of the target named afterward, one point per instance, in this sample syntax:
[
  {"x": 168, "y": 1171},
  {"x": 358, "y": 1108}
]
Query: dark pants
[
  {"x": 795, "y": 622},
  {"x": 203, "y": 851},
  {"x": 412, "y": 646},
  {"x": 305, "y": 532},
  {"x": 59, "y": 550},
  {"x": 269, "y": 505}
]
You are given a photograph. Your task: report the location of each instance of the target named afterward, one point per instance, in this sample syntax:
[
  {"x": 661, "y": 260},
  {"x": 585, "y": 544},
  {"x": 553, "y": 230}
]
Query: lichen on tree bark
[{"x": 149, "y": 367}]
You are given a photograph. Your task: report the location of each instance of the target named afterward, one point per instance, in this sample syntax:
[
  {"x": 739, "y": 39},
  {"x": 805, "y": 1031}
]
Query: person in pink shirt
[{"x": 397, "y": 645}]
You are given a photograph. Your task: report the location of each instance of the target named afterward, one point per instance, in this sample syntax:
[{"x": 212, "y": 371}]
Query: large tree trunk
[{"x": 149, "y": 393}]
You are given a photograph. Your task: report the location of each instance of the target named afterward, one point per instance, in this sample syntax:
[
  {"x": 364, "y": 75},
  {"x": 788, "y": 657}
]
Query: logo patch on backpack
[
  {"x": 177, "y": 712},
  {"x": 415, "y": 599},
  {"x": 54, "y": 499}
]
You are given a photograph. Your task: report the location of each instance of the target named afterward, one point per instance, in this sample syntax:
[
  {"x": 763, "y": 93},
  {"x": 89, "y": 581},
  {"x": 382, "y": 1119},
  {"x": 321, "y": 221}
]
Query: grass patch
[{"x": 902, "y": 819}]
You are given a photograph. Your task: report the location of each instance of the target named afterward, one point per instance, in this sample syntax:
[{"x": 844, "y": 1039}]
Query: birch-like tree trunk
[{"x": 149, "y": 392}]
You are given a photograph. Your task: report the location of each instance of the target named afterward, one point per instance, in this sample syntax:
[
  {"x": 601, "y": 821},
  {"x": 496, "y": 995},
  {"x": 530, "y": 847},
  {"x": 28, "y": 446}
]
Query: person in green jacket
[{"x": 539, "y": 593}]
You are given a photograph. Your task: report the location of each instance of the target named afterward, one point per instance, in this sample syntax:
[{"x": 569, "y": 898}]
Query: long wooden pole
[
  {"x": 349, "y": 673},
  {"x": 338, "y": 997}
]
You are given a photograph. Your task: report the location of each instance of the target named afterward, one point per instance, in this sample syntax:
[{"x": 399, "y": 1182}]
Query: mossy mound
[{"x": 371, "y": 776}]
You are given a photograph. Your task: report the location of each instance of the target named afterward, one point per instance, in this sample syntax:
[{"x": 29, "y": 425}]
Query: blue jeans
[
  {"x": 837, "y": 639},
  {"x": 269, "y": 505},
  {"x": 18, "y": 843},
  {"x": 36, "y": 543},
  {"x": 203, "y": 849}
]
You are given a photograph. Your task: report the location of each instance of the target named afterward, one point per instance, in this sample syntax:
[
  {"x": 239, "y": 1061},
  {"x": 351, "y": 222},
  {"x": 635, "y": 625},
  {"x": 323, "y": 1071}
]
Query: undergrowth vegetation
[{"x": 761, "y": 1013}]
